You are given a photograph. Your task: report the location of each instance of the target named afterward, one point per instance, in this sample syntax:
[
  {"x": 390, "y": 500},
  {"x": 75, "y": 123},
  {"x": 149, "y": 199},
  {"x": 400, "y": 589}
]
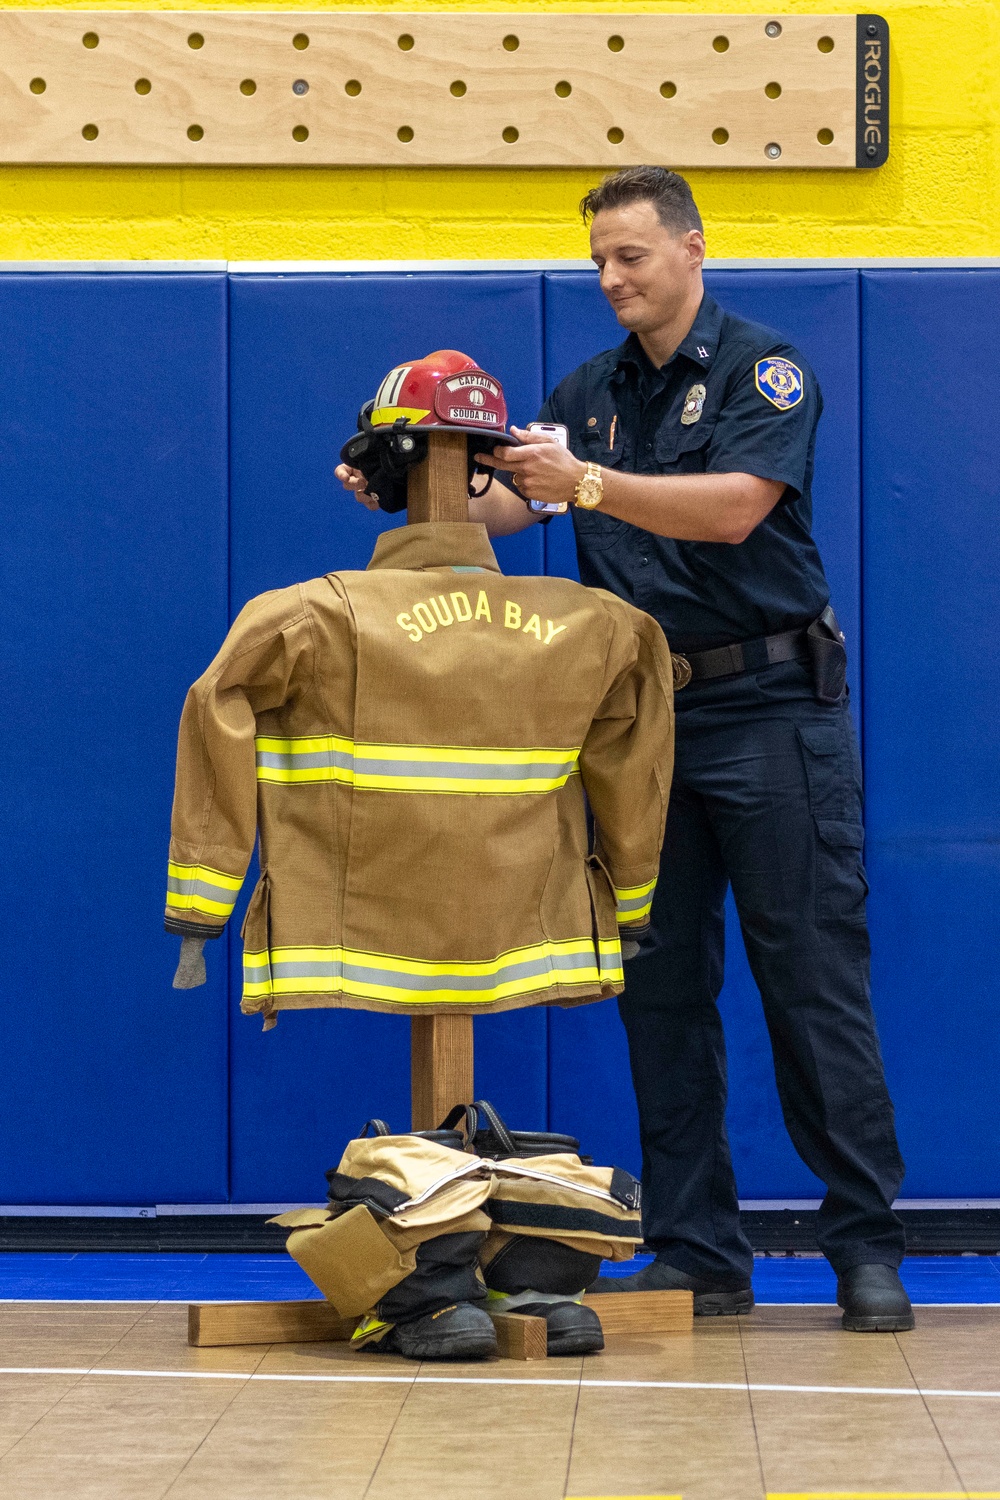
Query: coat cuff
[{"x": 180, "y": 928}]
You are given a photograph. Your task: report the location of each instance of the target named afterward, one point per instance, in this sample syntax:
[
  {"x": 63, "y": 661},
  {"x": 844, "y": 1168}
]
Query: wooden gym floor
[{"x": 105, "y": 1401}]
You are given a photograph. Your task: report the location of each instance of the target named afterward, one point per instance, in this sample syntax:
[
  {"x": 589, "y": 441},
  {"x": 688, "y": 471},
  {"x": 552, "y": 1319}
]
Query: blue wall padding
[
  {"x": 818, "y": 312},
  {"x": 306, "y": 352},
  {"x": 932, "y": 690},
  {"x": 123, "y": 561},
  {"x": 113, "y": 596}
]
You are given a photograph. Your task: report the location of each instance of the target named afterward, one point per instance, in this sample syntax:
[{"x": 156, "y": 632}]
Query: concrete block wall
[{"x": 938, "y": 195}]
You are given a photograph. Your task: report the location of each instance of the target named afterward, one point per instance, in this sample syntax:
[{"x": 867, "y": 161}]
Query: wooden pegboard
[{"x": 356, "y": 88}]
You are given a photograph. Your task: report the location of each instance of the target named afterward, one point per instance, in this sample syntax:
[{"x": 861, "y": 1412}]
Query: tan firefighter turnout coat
[{"x": 414, "y": 743}]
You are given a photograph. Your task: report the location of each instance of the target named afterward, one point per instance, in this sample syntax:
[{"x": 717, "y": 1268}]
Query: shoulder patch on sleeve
[{"x": 779, "y": 381}]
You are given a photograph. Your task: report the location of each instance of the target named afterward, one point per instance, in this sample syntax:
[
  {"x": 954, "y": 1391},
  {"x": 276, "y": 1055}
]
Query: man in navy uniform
[{"x": 688, "y": 472}]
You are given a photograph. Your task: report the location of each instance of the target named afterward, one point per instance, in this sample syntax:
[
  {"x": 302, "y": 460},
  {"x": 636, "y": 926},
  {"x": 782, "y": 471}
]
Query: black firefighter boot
[
  {"x": 541, "y": 1278},
  {"x": 437, "y": 1312}
]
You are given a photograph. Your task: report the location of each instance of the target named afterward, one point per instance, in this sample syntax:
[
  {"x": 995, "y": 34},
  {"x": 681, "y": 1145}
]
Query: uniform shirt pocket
[{"x": 684, "y": 450}]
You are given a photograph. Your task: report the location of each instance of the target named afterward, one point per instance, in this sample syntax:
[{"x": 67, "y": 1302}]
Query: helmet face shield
[{"x": 444, "y": 392}]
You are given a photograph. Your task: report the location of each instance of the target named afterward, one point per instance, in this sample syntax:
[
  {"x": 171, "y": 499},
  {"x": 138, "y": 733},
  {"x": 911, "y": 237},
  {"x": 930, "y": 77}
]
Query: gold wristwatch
[{"x": 590, "y": 489}]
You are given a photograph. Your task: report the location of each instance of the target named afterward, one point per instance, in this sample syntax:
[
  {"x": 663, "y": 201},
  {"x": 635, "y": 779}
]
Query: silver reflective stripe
[
  {"x": 459, "y": 770},
  {"x": 418, "y": 983},
  {"x": 305, "y": 761},
  {"x": 223, "y": 894},
  {"x": 634, "y": 903}
]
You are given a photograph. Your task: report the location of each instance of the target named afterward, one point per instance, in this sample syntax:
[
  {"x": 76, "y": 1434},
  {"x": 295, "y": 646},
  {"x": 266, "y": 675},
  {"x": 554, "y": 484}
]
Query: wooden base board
[
  {"x": 644, "y": 1312},
  {"x": 215, "y": 1324},
  {"x": 519, "y": 1337},
  {"x": 218, "y": 1324}
]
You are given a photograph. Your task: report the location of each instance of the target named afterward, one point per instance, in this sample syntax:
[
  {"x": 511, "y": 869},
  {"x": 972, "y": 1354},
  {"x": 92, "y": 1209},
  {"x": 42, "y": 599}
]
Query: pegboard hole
[
  {"x": 196, "y": 41},
  {"x": 720, "y": 136},
  {"x": 247, "y": 87},
  {"x": 37, "y": 85},
  {"x": 825, "y": 44},
  {"x": 90, "y": 132},
  {"x": 404, "y": 133},
  {"x": 773, "y": 90},
  {"x": 616, "y": 43},
  {"x": 352, "y": 87},
  {"x": 721, "y": 44},
  {"x": 564, "y": 89},
  {"x": 510, "y": 134},
  {"x": 458, "y": 88},
  {"x": 405, "y": 42},
  {"x": 300, "y": 41},
  {"x": 195, "y": 132},
  {"x": 668, "y": 90},
  {"x": 511, "y": 43},
  {"x": 616, "y": 136},
  {"x": 143, "y": 86},
  {"x": 300, "y": 133},
  {"x": 825, "y": 137},
  {"x": 90, "y": 39}
]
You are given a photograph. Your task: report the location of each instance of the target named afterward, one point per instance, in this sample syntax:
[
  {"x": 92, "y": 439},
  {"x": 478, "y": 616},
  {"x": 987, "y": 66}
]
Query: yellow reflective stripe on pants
[
  {"x": 634, "y": 902},
  {"x": 411, "y": 981},
  {"x": 413, "y": 768},
  {"x": 200, "y": 888}
]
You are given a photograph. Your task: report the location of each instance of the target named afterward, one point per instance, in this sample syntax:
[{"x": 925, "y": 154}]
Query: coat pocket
[
  {"x": 604, "y": 918},
  {"x": 258, "y": 992}
]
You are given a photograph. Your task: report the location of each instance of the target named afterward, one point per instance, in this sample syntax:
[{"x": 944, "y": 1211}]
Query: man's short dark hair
[{"x": 667, "y": 191}]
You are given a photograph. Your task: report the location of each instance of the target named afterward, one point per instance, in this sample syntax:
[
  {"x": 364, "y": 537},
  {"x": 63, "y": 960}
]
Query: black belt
[{"x": 743, "y": 656}]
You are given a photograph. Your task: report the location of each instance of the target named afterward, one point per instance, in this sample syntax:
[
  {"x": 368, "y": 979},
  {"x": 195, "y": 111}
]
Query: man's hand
[
  {"x": 543, "y": 469},
  {"x": 353, "y": 479}
]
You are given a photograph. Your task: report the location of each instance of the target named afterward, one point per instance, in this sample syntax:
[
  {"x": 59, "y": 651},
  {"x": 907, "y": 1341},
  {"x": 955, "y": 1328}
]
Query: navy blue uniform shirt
[{"x": 734, "y": 398}]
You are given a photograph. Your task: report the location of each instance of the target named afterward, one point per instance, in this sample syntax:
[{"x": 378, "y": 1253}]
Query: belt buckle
[{"x": 682, "y": 671}]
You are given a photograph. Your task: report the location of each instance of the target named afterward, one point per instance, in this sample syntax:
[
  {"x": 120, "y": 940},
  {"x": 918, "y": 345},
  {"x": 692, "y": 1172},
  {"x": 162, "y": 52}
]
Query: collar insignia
[{"x": 694, "y": 405}]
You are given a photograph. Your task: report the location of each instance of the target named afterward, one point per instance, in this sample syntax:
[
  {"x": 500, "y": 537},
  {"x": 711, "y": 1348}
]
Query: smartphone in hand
[{"x": 559, "y": 434}]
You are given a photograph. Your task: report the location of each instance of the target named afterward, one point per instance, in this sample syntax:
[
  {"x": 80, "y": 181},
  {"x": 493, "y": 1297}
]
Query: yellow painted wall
[{"x": 939, "y": 194}]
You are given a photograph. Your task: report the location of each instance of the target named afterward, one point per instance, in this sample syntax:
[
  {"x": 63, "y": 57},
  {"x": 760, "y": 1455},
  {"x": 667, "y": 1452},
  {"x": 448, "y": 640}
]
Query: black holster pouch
[{"x": 828, "y": 658}]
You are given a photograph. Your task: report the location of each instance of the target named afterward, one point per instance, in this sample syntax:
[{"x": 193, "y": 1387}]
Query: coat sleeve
[
  {"x": 627, "y": 761},
  {"x": 267, "y": 658}
]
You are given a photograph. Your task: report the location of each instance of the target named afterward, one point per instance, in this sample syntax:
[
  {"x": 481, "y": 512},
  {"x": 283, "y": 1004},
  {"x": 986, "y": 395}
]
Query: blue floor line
[{"x": 169, "y": 1277}]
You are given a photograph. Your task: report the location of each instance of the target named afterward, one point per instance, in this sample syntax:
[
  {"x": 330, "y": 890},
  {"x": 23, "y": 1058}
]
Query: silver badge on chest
[{"x": 694, "y": 405}]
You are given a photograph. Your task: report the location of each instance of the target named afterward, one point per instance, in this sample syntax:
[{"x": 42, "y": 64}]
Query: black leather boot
[
  {"x": 570, "y": 1328},
  {"x": 710, "y": 1298},
  {"x": 874, "y": 1300},
  {"x": 457, "y": 1332}
]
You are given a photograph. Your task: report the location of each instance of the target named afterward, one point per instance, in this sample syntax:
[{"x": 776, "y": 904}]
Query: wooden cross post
[{"x": 441, "y": 1058}]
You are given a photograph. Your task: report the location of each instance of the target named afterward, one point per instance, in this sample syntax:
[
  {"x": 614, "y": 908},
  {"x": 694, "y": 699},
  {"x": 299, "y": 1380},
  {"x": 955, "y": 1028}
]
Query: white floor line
[{"x": 419, "y": 1379}]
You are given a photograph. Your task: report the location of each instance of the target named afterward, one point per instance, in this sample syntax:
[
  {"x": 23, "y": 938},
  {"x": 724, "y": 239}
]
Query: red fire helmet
[{"x": 444, "y": 389}]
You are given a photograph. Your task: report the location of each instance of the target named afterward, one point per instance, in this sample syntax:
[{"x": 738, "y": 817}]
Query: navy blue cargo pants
[{"x": 766, "y": 798}]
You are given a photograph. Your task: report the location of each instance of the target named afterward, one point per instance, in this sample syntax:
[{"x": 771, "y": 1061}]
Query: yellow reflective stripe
[
  {"x": 522, "y": 971},
  {"x": 454, "y": 769},
  {"x": 202, "y": 889},
  {"x": 384, "y": 416},
  {"x": 634, "y": 902}
]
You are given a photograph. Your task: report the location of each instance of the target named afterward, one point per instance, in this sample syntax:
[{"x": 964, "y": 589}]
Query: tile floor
[{"x": 102, "y": 1399}]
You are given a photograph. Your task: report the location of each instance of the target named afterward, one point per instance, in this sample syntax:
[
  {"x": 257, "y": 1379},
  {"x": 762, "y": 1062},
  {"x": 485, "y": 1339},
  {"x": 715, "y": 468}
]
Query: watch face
[{"x": 589, "y": 493}]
